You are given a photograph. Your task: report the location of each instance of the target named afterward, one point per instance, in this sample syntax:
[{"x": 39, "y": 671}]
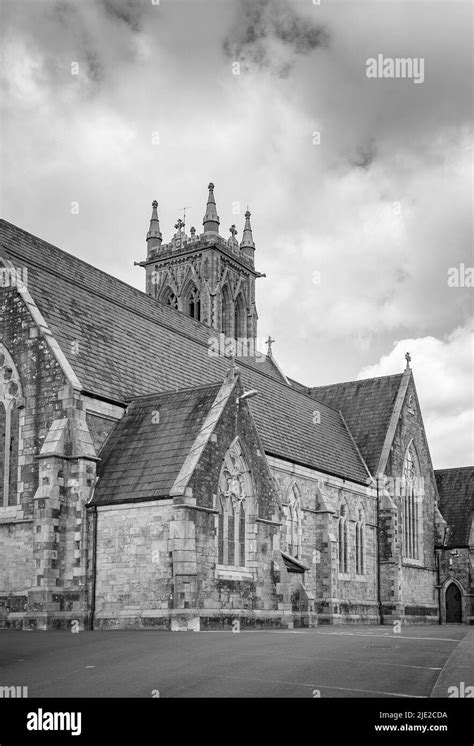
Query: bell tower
[{"x": 204, "y": 275}]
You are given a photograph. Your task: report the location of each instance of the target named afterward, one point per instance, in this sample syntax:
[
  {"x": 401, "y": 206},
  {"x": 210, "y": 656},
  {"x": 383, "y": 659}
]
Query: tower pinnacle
[
  {"x": 154, "y": 237},
  {"x": 247, "y": 245},
  {"x": 211, "y": 218}
]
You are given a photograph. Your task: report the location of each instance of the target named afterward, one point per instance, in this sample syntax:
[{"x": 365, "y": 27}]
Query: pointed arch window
[
  {"x": 233, "y": 502},
  {"x": 342, "y": 540},
  {"x": 411, "y": 504},
  {"x": 10, "y": 393},
  {"x": 293, "y": 523},
  {"x": 226, "y": 311},
  {"x": 360, "y": 543},
  {"x": 194, "y": 303},
  {"x": 170, "y": 299},
  {"x": 240, "y": 325}
]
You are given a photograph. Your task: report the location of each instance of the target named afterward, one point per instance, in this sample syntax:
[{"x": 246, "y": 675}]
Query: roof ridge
[
  {"x": 454, "y": 468},
  {"x": 73, "y": 256},
  {"x": 355, "y": 380},
  {"x": 174, "y": 391}
]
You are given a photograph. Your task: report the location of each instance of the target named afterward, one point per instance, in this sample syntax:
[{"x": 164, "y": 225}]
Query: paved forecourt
[{"x": 418, "y": 661}]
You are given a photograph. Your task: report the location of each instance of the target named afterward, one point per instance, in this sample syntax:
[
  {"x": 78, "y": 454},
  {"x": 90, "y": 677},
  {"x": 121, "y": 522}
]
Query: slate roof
[
  {"x": 143, "y": 455},
  {"x": 367, "y": 406},
  {"x": 131, "y": 345},
  {"x": 456, "y": 502}
]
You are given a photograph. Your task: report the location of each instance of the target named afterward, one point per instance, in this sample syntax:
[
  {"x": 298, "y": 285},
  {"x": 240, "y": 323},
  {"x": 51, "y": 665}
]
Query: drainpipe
[
  {"x": 93, "y": 508},
  {"x": 379, "y": 592},
  {"x": 94, "y": 565},
  {"x": 438, "y": 582}
]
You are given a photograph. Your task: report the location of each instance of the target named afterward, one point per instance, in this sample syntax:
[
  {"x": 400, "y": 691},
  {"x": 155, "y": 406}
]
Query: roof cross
[
  {"x": 269, "y": 341},
  {"x": 408, "y": 359}
]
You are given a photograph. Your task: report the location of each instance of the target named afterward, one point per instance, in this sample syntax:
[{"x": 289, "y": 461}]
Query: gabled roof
[
  {"x": 456, "y": 502},
  {"x": 147, "y": 448},
  {"x": 128, "y": 345},
  {"x": 367, "y": 406}
]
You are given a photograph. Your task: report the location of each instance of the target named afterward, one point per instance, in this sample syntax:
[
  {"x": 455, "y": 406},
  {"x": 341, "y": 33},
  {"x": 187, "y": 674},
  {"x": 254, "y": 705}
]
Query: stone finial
[
  {"x": 211, "y": 219},
  {"x": 247, "y": 238},
  {"x": 232, "y": 241},
  {"x": 247, "y": 246},
  {"x": 154, "y": 237},
  {"x": 408, "y": 359}
]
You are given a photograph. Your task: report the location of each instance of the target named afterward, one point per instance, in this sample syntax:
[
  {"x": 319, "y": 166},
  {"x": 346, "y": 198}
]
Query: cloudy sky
[{"x": 360, "y": 188}]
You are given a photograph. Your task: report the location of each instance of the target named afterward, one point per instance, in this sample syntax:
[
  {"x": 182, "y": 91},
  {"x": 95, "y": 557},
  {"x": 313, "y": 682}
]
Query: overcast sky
[{"x": 377, "y": 206}]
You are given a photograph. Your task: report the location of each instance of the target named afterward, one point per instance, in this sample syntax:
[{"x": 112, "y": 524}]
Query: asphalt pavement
[{"x": 420, "y": 661}]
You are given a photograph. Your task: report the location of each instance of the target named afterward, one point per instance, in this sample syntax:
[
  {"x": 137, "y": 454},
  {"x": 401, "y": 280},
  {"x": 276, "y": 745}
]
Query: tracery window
[
  {"x": 10, "y": 393},
  {"x": 233, "y": 501},
  {"x": 226, "y": 311},
  {"x": 194, "y": 303},
  {"x": 170, "y": 298},
  {"x": 342, "y": 540},
  {"x": 411, "y": 502}
]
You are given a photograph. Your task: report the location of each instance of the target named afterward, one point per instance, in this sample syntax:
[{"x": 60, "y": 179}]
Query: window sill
[
  {"x": 409, "y": 562},
  {"x": 12, "y": 514},
  {"x": 344, "y": 576},
  {"x": 230, "y": 572}
]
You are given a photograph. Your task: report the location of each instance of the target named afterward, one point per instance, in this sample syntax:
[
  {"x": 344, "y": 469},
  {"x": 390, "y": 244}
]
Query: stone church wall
[
  {"x": 411, "y": 583},
  {"x": 133, "y": 565},
  {"x": 458, "y": 565},
  {"x": 41, "y": 380},
  {"x": 335, "y": 597}
]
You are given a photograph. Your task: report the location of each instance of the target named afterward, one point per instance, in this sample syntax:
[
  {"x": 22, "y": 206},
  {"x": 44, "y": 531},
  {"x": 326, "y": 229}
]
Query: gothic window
[
  {"x": 170, "y": 298},
  {"x": 194, "y": 303},
  {"x": 360, "y": 539},
  {"x": 232, "y": 503},
  {"x": 292, "y": 511},
  {"x": 342, "y": 539},
  {"x": 411, "y": 497},
  {"x": 9, "y": 429},
  {"x": 240, "y": 325},
  {"x": 226, "y": 311}
]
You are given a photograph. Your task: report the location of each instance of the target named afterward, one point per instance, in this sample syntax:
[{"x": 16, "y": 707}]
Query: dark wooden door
[{"x": 453, "y": 605}]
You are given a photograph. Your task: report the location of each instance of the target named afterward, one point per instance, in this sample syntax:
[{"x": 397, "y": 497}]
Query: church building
[{"x": 157, "y": 471}]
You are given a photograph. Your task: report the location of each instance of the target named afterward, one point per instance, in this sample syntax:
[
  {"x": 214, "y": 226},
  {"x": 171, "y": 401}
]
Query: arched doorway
[{"x": 453, "y": 604}]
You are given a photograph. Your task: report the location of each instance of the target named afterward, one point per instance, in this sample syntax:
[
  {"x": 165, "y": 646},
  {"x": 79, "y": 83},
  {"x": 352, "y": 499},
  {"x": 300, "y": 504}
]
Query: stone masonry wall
[
  {"x": 41, "y": 377},
  {"x": 335, "y": 597},
  {"x": 415, "y": 579},
  {"x": 134, "y": 565}
]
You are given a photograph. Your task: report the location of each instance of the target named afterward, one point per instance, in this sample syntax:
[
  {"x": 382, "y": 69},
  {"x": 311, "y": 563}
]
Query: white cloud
[{"x": 442, "y": 370}]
